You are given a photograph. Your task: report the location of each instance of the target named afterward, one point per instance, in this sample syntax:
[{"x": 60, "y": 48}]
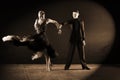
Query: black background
[{"x": 12, "y": 10}]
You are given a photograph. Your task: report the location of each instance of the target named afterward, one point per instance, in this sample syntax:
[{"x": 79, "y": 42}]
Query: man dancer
[{"x": 77, "y": 39}]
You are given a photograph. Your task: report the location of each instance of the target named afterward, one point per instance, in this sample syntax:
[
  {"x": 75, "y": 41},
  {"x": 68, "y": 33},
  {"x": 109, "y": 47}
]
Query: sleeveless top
[{"x": 42, "y": 28}]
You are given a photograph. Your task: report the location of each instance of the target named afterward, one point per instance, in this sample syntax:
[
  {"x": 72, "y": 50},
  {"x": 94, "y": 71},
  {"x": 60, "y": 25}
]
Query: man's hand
[
  {"x": 84, "y": 43},
  {"x": 60, "y": 31},
  {"x": 60, "y": 26}
]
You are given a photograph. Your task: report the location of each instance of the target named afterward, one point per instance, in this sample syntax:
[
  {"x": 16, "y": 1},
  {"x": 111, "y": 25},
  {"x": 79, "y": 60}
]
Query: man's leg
[
  {"x": 81, "y": 51},
  {"x": 70, "y": 56}
]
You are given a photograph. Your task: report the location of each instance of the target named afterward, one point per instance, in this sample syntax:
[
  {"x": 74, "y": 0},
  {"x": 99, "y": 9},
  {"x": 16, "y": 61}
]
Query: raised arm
[
  {"x": 54, "y": 22},
  {"x": 59, "y": 26},
  {"x": 68, "y": 22}
]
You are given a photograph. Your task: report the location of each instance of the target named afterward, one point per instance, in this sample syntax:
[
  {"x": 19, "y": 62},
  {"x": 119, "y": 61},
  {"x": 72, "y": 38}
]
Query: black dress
[{"x": 41, "y": 41}]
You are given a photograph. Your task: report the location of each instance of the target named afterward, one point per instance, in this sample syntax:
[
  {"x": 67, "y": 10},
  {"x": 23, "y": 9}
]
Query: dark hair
[{"x": 77, "y": 11}]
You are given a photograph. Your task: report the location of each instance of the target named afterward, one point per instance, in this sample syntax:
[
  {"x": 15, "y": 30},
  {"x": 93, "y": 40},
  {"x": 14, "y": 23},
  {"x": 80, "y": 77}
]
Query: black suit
[{"x": 76, "y": 40}]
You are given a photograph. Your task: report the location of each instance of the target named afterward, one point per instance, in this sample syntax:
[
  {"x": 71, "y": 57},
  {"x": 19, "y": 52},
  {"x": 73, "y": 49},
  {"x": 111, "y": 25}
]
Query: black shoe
[
  {"x": 86, "y": 68},
  {"x": 66, "y": 68}
]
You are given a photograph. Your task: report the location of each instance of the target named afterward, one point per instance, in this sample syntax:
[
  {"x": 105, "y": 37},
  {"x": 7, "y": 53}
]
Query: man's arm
[
  {"x": 83, "y": 32},
  {"x": 68, "y": 22}
]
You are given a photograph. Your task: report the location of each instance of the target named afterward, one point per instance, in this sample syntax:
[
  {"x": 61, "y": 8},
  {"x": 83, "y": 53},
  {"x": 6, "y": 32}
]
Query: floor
[{"x": 38, "y": 72}]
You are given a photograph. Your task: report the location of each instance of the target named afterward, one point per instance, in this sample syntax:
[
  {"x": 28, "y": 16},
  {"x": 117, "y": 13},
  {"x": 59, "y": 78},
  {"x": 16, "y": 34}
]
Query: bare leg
[
  {"x": 47, "y": 59},
  {"x": 49, "y": 62},
  {"x": 37, "y": 55}
]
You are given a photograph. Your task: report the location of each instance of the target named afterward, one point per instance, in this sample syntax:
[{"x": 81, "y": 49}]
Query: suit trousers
[{"x": 81, "y": 51}]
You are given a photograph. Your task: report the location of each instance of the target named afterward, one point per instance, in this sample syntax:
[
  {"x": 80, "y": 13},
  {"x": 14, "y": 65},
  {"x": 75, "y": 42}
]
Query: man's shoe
[
  {"x": 66, "y": 68},
  {"x": 86, "y": 68}
]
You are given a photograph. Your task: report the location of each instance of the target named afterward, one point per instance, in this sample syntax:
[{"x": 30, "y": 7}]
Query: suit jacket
[{"x": 77, "y": 33}]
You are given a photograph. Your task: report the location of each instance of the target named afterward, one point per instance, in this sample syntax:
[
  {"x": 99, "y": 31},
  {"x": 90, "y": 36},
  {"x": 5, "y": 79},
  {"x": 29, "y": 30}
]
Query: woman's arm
[
  {"x": 36, "y": 26},
  {"x": 59, "y": 26}
]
